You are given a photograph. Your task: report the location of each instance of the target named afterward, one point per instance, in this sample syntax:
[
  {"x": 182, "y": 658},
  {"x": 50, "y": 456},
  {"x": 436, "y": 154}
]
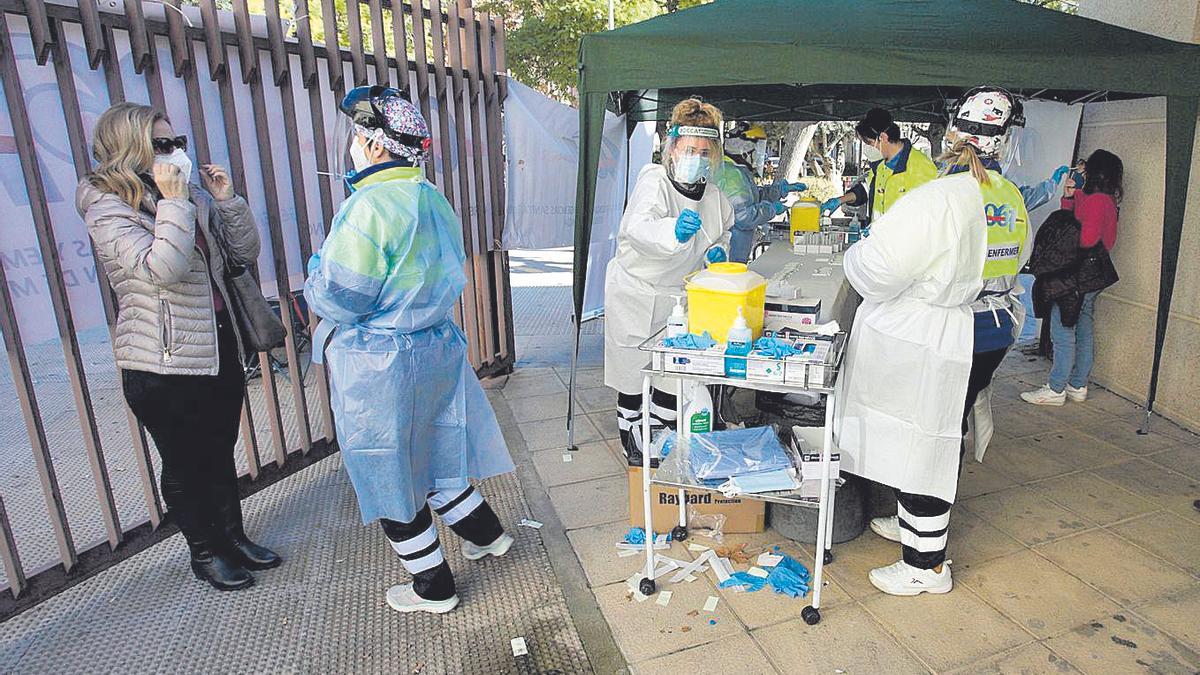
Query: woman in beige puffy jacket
[{"x": 165, "y": 245}]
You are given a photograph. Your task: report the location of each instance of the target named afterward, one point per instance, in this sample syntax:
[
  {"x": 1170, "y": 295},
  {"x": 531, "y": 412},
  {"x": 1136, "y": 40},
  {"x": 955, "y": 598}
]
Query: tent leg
[
  {"x": 1145, "y": 429},
  {"x": 571, "y": 389}
]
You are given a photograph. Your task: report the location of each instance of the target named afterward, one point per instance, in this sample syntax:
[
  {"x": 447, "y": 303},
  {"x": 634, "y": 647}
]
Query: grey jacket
[{"x": 165, "y": 318}]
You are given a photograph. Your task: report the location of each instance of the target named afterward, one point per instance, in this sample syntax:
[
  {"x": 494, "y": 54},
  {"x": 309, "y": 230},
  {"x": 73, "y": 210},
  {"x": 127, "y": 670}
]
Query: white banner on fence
[{"x": 542, "y": 139}]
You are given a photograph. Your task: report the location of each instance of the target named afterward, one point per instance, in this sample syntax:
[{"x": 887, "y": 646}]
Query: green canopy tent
[{"x": 833, "y": 59}]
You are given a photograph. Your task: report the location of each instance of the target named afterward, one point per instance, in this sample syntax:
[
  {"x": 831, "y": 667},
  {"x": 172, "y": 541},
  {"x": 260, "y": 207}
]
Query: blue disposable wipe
[{"x": 720, "y": 455}]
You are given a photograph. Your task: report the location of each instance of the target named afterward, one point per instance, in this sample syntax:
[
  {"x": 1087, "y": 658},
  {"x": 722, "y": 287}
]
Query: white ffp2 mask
[{"x": 177, "y": 158}]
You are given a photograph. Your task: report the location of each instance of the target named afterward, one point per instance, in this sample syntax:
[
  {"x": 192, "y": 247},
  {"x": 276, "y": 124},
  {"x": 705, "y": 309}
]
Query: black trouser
[
  {"x": 193, "y": 420},
  {"x": 663, "y": 413},
  {"x": 416, "y": 542},
  {"x": 924, "y": 519}
]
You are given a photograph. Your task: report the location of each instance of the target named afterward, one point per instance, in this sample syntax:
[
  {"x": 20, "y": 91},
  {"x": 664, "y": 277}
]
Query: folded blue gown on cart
[{"x": 721, "y": 455}]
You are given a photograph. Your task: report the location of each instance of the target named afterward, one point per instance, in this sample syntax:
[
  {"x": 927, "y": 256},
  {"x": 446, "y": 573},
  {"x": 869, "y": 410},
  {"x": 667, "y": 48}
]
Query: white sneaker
[
  {"x": 887, "y": 527},
  {"x": 496, "y": 548},
  {"x": 1045, "y": 396},
  {"x": 904, "y": 579},
  {"x": 403, "y": 598},
  {"x": 1078, "y": 395}
]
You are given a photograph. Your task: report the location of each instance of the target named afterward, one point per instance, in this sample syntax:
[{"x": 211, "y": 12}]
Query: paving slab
[
  {"x": 1117, "y": 568},
  {"x": 593, "y": 502},
  {"x": 596, "y": 400},
  {"x": 1173, "y": 491},
  {"x": 1093, "y": 497},
  {"x": 535, "y": 408},
  {"x": 1031, "y": 659},
  {"x": 734, "y": 654},
  {"x": 947, "y": 631},
  {"x": 1176, "y": 613},
  {"x": 1024, "y": 462},
  {"x": 596, "y": 549},
  {"x": 606, "y": 423},
  {"x": 1184, "y": 459},
  {"x": 977, "y": 479},
  {"x": 1124, "y": 643},
  {"x": 1035, "y": 593},
  {"x": 1026, "y": 515},
  {"x": 1025, "y": 420},
  {"x": 590, "y": 461},
  {"x": 1166, "y": 535},
  {"x": 848, "y": 640},
  {"x": 645, "y": 630},
  {"x": 551, "y": 434},
  {"x": 1076, "y": 449},
  {"x": 1124, "y": 435},
  {"x": 532, "y": 385}
]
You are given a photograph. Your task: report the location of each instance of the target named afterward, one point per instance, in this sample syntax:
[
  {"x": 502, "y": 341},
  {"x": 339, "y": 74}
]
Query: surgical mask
[
  {"x": 872, "y": 153},
  {"x": 691, "y": 169},
  {"x": 358, "y": 156},
  {"x": 177, "y": 158}
]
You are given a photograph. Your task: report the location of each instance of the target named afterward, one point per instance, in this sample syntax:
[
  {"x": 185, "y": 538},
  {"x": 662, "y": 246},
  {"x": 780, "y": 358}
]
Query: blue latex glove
[
  {"x": 795, "y": 187},
  {"x": 748, "y": 581},
  {"x": 774, "y": 348},
  {"x": 314, "y": 263},
  {"x": 779, "y": 207},
  {"x": 1060, "y": 172},
  {"x": 789, "y": 577},
  {"x": 716, "y": 255},
  {"x": 690, "y": 341},
  {"x": 831, "y": 205},
  {"x": 635, "y": 535},
  {"x": 687, "y": 225}
]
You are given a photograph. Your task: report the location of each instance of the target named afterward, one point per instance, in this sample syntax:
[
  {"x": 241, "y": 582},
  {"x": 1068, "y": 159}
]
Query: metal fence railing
[{"x": 255, "y": 91}]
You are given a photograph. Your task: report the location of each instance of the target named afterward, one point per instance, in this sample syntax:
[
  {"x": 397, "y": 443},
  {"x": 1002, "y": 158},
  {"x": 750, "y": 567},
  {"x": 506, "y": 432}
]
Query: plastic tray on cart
[{"x": 798, "y": 375}]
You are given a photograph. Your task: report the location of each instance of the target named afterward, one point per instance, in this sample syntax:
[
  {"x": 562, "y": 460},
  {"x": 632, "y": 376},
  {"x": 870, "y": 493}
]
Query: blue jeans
[{"x": 1073, "y": 347}]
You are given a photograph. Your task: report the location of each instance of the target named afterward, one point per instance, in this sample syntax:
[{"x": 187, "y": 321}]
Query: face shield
[
  {"x": 1010, "y": 150},
  {"x": 692, "y": 154},
  {"x": 760, "y": 157}
]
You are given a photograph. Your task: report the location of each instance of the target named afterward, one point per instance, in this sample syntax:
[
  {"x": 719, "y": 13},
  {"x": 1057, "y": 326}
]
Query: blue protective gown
[
  {"x": 752, "y": 204},
  {"x": 410, "y": 414}
]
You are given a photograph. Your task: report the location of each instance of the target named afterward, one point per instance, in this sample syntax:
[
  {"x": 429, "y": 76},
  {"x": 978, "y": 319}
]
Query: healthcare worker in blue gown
[{"x": 412, "y": 421}]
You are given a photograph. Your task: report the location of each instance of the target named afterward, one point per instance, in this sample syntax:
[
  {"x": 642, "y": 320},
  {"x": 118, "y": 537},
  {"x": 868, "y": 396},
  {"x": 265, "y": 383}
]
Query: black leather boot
[
  {"x": 252, "y": 556},
  {"x": 221, "y": 570}
]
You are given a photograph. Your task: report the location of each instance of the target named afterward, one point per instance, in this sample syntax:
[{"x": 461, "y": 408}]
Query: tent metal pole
[{"x": 571, "y": 388}]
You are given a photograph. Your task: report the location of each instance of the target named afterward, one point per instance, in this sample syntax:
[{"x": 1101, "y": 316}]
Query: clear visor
[
  {"x": 692, "y": 154},
  {"x": 344, "y": 133}
]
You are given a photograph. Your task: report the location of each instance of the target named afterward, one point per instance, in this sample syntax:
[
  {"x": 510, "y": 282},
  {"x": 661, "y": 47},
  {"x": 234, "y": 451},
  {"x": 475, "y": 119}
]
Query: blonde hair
[
  {"x": 122, "y": 149},
  {"x": 692, "y": 112},
  {"x": 962, "y": 153}
]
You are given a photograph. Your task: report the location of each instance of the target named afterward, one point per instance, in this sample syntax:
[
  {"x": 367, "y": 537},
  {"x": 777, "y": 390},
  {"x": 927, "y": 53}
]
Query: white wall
[{"x": 1136, "y": 131}]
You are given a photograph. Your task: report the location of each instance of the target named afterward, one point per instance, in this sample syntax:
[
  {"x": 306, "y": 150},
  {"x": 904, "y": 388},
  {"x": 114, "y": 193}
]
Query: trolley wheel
[
  {"x": 828, "y": 556},
  {"x": 646, "y": 586},
  {"x": 811, "y": 615},
  {"x": 679, "y": 533}
]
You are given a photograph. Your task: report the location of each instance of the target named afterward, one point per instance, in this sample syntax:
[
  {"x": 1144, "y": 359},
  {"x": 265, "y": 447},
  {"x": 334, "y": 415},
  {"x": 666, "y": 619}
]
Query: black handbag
[{"x": 260, "y": 325}]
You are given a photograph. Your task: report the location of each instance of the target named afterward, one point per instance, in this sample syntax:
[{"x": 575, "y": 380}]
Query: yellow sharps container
[
  {"x": 805, "y": 216},
  {"x": 716, "y": 294}
]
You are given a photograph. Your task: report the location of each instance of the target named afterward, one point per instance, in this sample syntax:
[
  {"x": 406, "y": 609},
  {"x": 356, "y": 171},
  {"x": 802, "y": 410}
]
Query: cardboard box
[
  {"x": 808, "y": 370},
  {"x": 742, "y": 516},
  {"x": 794, "y": 316},
  {"x": 711, "y": 361},
  {"x": 765, "y": 371}
]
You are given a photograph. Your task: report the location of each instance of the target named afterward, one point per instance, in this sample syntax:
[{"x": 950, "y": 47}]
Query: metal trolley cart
[{"x": 675, "y": 472}]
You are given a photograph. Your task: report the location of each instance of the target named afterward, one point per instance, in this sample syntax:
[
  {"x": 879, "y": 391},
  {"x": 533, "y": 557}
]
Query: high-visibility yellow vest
[
  {"x": 1007, "y": 226},
  {"x": 889, "y": 185}
]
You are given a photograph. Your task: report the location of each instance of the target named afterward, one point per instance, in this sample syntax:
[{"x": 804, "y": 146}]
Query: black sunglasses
[{"x": 165, "y": 146}]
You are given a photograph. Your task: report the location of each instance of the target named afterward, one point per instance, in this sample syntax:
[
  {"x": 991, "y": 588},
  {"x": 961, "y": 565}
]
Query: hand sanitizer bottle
[
  {"x": 738, "y": 344},
  {"x": 678, "y": 324}
]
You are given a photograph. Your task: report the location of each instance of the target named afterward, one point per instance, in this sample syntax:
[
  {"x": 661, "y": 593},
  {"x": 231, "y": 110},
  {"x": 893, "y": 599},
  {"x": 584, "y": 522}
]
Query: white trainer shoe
[
  {"x": 1076, "y": 394},
  {"x": 1045, "y": 396},
  {"x": 904, "y": 579},
  {"x": 403, "y": 598},
  {"x": 887, "y": 527},
  {"x": 496, "y": 548}
]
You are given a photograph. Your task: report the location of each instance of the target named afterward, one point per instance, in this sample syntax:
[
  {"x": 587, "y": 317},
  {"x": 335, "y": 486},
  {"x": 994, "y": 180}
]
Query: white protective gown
[
  {"x": 649, "y": 267},
  {"x": 899, "y": 406}
]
